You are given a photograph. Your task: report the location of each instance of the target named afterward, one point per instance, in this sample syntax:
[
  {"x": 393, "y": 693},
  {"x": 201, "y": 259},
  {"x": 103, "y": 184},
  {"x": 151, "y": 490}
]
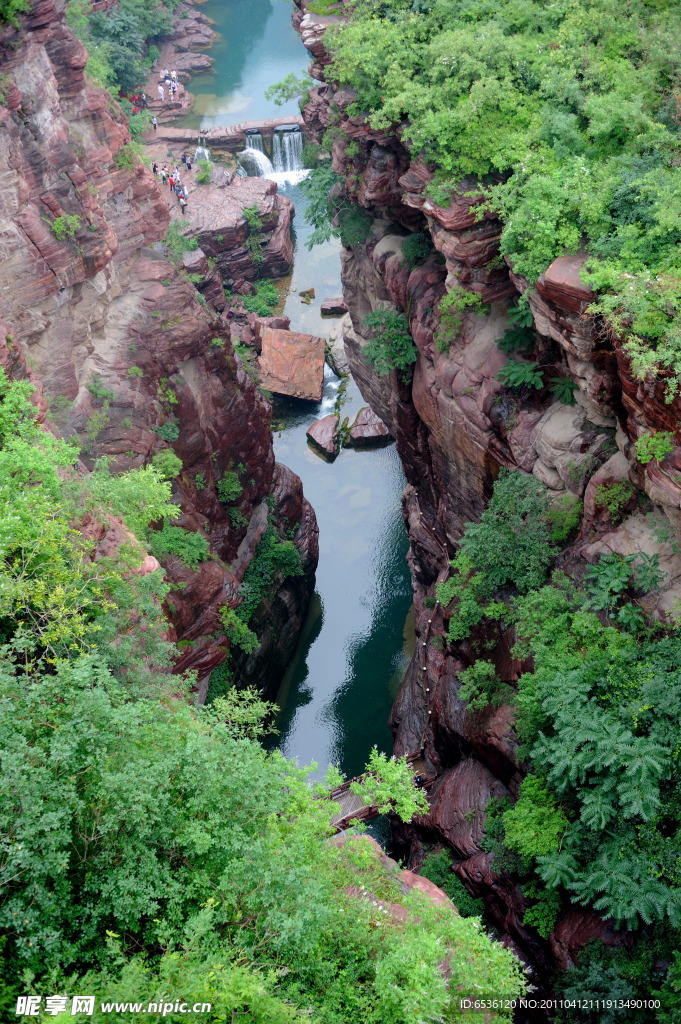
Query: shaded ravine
[{"x": 336, "y": 696}]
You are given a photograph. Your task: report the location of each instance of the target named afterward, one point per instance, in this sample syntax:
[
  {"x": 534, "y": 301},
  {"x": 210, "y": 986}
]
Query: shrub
[
  {"x": 217, "y": 343},
  {"x": 516, "y": 339},
  {"x": 416, "y": 248},
  {"x": 66, "y": 226},
  {"x": 204, "y": 174},
  {"x": 134, "y": 371},
  {"x": 614, "y": 497},
  {"x": 563, "y": 516},
  {"x": 237, "y": 631},
  {"x": 99, "y": 390},
  {"x": 191, "y": 548},
  {"x": 168, "y": 431},
  {"x": 391, "y": 347},
  {"x": 264, "y": 301},
  {"x": 563, "y": 389},
  {"x": 229, "y": 488},
  {"x": 178, "y": 243},
  {"x": 517, "y": 375},
  {"x": 200, "y": 482},
  {"x": 273, "y": 557},
  {"x": 451, "y": 312},
  {"x": 654, "y": 446},
  {"x": 11, "y": 9},
  {"x": 510, "y": 545},
  {"x": 481, "y": 687},
  {"x": 167, "y": 463},
  {"x": 438, "y": 868}
]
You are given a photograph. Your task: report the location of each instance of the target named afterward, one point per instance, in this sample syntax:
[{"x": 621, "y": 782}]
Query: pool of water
[
  {"x": 336, "y": 696},
  {"x": 256, "y": 47},
  {"x": 354, "y": 648}
]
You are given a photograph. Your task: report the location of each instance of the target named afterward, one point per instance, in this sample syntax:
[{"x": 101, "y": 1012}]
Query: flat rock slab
[
  {"x": 323, "y": 437},
  {"x": 368, "y": 430},
  {"x": 292, "y": 363},
  {"x": 333, "y": 307}
]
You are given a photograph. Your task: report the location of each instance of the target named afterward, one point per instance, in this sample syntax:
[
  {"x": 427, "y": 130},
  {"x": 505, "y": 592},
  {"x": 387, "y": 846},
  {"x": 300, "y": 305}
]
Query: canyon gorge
[{"x": 140, "y": 330}]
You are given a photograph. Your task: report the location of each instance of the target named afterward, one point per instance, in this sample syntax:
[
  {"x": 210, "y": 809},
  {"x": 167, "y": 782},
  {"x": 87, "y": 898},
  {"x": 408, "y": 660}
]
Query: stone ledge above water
[{"x": 228, "y": 137}]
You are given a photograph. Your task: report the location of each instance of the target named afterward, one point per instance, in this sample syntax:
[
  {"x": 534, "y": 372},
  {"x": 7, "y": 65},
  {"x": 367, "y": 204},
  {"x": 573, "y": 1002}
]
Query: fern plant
[{"x": 520, "y": 375}]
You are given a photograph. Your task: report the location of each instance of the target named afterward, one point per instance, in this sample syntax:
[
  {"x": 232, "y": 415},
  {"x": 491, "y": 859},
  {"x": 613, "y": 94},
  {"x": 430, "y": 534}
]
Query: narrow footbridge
[{"x": 354, "y": 808}]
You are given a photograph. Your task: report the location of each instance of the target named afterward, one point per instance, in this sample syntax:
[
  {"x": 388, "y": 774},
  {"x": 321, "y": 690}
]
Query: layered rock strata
[
  {"x": 129, "y": 360},
  {"x": 456, "y": 425}
]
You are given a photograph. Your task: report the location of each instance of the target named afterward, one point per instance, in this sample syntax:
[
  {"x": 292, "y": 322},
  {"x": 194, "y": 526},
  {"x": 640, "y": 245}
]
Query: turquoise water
[
  {"x": 257, "y": 46},
  {"x": 336, "y": 696}
]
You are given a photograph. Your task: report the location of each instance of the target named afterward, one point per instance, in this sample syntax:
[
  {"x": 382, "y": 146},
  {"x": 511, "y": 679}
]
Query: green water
[
  {"x": 257, "y": 46},
  {"x": 336, "y": 696}
]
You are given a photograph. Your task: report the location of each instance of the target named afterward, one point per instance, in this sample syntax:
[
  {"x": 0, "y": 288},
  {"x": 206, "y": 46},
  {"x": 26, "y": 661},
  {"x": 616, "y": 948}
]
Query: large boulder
[
  {"x": 292, "y": 363},
  {"x": 323, "y": 437},
  {"x": 368, "y": 430}
]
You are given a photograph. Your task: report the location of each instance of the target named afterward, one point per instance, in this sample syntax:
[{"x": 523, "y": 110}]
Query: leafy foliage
[
  {"x": 204, "y": 172},
  {"x": 563, "y": 390},
  {"x": 451, "y": 311},
  {"x": 291, "y": 87},
  {"x": 438, "y": 868},
  {"x": 66, "y": 226},
  {"x": 572, "y": 109},
  {"x": 416, "y": 248},
  {"x": 11, "y": 9},
  {"x": 264, "y": 301},
  {"x": 229, "y": 487},
  {"x": 191, "y": 548},
  {"x": 167, "y": 463},
  {"x": 614, "y": 497},
  {"x": 330, "y": 212},
  {"x": 117, "y": 40},
  {"x": 654, "y": 446},
  {"x": 391, "y": 347},
  {"x": 237, "y": 631},
  {"x": 510, "y": 545},
  {"x": 515, "y": 374},
  {"x": 273, "y": 558}
]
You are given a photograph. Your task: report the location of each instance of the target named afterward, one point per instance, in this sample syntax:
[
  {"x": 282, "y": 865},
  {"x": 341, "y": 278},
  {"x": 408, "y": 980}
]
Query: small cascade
[
  {"x": 252, "y": 160},
  {"x": 201, "y": 153},
  {"x": 254, "y": 141},
  {"x": 287, "y": 154}
]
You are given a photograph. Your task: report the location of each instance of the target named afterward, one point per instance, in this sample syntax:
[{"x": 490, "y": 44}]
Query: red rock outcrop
[
  {"x": 128, "y": 359},
  {"x": 456, "y": 425}
]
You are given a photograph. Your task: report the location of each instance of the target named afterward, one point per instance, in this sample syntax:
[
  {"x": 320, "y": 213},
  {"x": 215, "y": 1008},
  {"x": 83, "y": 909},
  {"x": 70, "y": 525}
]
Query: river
[{"x": 354, "y": 648}]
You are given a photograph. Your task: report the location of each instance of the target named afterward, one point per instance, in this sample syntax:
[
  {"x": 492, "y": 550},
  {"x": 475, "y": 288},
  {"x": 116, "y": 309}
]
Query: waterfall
[
  {"x": 254, "y": 141},
  {"x": 201, "y": 153},
  {"x": 287, "y": 154},
  {"x": 252, "y": 160}
]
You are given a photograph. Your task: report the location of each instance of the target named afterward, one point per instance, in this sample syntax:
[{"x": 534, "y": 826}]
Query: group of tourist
[
  {"x": 168, "y": 80},
  {"x": 172, "y": 177}
]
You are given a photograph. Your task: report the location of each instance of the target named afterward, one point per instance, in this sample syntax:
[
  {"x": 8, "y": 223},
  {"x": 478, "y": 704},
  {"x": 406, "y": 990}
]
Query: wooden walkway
[{"x": 354, "y": 808}]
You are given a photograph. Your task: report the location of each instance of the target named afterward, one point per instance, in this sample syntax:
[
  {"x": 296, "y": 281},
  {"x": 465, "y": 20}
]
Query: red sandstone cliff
[
  {"x": 455, "y": 426},
  {"x": 118, "y": 340}
]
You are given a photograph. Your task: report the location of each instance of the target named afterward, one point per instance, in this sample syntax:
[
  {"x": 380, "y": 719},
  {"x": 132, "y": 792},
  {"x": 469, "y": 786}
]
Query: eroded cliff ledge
[
  {"x": 129, "y": 360},
  {"x": 456, "y": 425}
]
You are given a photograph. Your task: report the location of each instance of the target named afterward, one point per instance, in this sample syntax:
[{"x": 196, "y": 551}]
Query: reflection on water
[
  {"x": 337, "y": 694},
  {"x": 257, "y": 46}
]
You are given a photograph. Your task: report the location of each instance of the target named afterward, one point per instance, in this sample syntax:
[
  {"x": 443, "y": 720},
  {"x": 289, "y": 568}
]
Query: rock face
[
  {"x": 333, "y": 307},
  {"x": 368, "y": 430},
  {"x": 292, "y": 363},
  {"x": 323, "y": 437},
  {"x": 127, "y": 359},
  {"x": 456, "y": 425},
  {"x": 216, "y": 216}
]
